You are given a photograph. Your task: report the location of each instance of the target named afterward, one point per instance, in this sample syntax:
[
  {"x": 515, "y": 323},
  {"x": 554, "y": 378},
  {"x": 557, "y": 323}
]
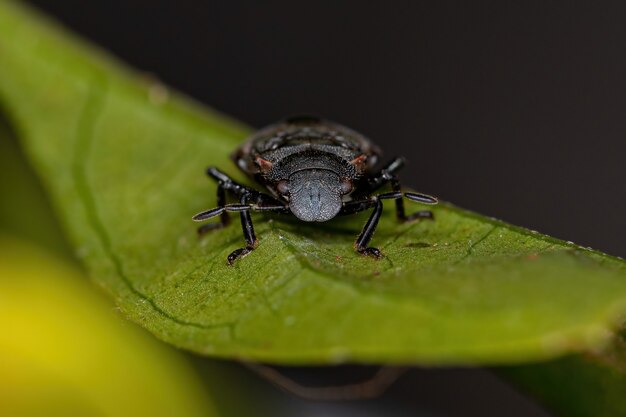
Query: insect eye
[
  {"x": 346, "y": 186},
  {"x": 283, "y": 187}
]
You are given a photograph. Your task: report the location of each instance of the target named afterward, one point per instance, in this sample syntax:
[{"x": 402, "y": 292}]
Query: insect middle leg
[
  {"x": 388, "y": 174},
  {"x": 228, "y": 184}
]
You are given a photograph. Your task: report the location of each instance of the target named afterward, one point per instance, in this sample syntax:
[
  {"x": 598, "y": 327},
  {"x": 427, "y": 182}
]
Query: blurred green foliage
[
  {"x": 65, "y": 352},
  {"x": 591, "y": 384},
  {"x": 25, "y": 211}
]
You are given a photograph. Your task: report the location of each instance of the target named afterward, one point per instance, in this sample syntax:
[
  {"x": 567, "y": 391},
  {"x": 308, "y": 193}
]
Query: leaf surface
[{"x": 123, "y": 160}]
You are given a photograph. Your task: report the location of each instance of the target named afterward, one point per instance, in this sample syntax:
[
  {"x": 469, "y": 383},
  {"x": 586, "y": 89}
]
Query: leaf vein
[{"x": 84, "y": 135}]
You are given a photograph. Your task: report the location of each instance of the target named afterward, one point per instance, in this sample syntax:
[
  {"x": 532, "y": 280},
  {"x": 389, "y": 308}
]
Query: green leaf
[
  {"x": 123, "y": 159},
  {"x": 590, "y": 384}
]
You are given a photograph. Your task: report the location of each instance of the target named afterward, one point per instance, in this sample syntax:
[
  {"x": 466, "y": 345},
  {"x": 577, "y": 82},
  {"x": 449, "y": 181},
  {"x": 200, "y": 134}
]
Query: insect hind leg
[
  {"x": 224, "y": 217},
  {"x": 401, "y": 213}
]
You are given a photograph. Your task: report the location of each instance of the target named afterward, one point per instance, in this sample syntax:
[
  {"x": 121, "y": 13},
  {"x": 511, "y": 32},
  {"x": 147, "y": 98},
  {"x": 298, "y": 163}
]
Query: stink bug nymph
[{"x": 315, "y": 170}]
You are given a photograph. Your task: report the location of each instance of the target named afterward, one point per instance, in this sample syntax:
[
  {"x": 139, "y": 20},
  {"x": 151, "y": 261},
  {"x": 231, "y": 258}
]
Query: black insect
[{"x": 315, "y": 170}]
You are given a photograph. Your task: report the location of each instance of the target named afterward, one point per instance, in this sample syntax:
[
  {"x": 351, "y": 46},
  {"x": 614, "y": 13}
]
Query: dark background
[{"x": 512, "y": 110}]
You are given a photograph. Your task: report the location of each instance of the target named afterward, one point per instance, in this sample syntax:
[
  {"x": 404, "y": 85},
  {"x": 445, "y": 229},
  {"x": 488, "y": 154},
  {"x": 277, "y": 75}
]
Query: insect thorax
[{"x": 306, "y": 143}]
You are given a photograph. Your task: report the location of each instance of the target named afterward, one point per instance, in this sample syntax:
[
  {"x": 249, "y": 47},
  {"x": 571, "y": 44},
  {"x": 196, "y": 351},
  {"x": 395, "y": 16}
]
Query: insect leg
[
  {"x": 224, "y": 217},
  {"x": 386, "y": 174},
  {"x": 207, "y": 214},
  {"x": 368, "y": 231},
  {"x": 366, "y": 234},
  {"x": 261, "y": 201},
  {"x": 248, "y": 233},
  {"x": 248, "y": 228},
  {"x": 229, "y": 184},
  {"x": 253, "y": 196},
  {"x": 400, "y": 213},
  {"x": 357, "y": 206},
  {"x": 395, "y": 186},
  {"x": 422, "y": 214}
]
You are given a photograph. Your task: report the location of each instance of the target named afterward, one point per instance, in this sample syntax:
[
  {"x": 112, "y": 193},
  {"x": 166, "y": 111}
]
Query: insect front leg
[
  {"x": 248, "y": 234},
  {"x": 368, "y": 231},
  {"x": 246, "y": 223},
  {"x": 249, "y": 199},
  {"x": 364, "y": 238}
]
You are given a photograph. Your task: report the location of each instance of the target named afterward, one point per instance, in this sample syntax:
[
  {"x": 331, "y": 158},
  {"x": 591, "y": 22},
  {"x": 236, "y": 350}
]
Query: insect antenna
[
  {"x": 421, "y": 198},
  {"x": 219, "y": 210},
  {"x": 207, "y": 214}
]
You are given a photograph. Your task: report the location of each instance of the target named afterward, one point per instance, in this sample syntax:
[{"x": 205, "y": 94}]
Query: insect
[{"x": 315, "y": 170}]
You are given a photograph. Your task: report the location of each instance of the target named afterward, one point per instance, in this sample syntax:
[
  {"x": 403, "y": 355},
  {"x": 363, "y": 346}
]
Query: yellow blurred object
[{"x": 65, "y": 352}]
